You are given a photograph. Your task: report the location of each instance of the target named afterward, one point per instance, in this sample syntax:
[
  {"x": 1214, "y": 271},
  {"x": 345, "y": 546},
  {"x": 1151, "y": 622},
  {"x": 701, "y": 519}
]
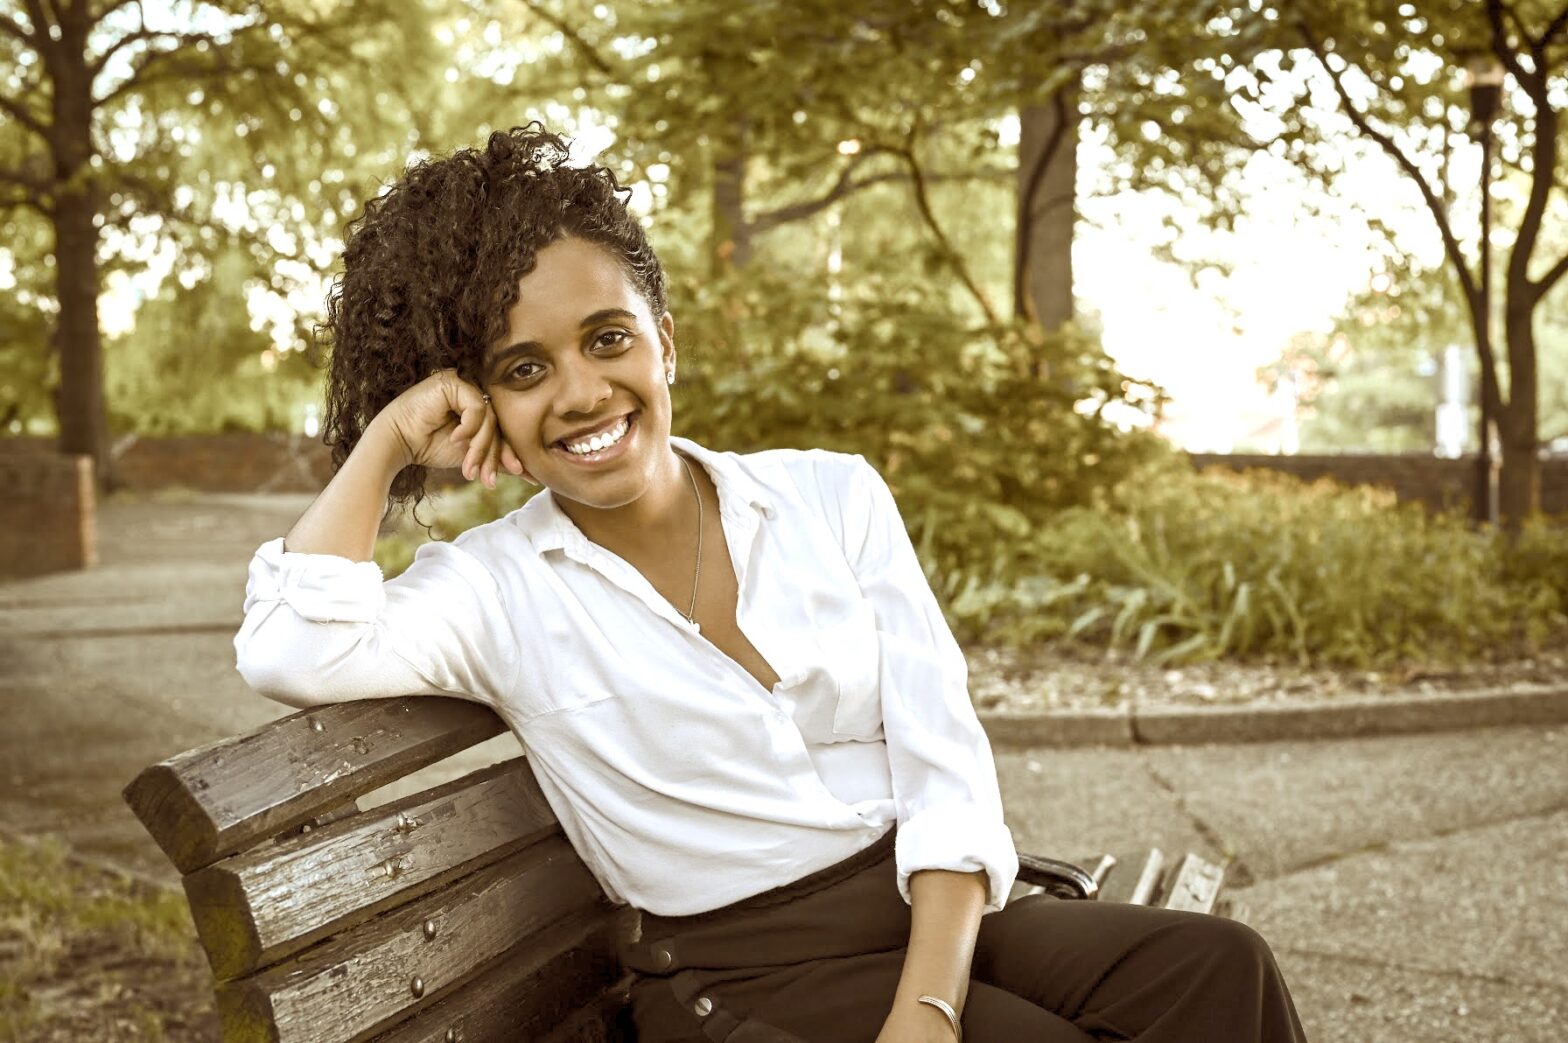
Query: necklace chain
[{"x": 692, "y": 610}]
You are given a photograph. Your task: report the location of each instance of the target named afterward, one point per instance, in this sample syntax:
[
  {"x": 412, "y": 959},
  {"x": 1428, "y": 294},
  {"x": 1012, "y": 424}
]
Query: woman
[{"x": 734, "y": 684}]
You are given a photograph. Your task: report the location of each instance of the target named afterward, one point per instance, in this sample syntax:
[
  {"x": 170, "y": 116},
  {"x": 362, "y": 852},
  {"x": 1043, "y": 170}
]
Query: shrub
[{"x": 1180, "y": 566}]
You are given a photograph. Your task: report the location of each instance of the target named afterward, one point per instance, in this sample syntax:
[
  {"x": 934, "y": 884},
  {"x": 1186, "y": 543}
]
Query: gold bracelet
[{"x": 945, "y": 1008}]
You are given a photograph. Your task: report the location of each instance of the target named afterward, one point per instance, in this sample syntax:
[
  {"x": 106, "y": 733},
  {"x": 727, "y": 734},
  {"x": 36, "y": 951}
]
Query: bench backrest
[{"x": 458, "y": 913}]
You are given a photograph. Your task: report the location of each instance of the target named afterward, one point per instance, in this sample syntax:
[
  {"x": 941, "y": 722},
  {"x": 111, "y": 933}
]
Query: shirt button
[
  {"x": 703, "y": 1007},
  {"x": 662, "y": 957},
  {"x": 780, "y": 716}
]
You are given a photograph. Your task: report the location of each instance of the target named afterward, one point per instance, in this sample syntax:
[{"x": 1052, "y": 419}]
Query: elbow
[
  {"x": 280, "y": 685},
  {"x": 271, "y": 671}
]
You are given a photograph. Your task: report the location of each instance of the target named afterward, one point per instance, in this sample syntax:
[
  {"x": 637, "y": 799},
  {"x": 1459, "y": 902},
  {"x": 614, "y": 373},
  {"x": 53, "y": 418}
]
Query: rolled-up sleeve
[
  {"x": 944, "y": 776},
  {"x": 320, "y": 628}
]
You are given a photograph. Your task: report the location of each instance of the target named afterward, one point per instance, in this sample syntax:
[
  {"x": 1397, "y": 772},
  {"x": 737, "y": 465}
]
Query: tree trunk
[
  {"x": 1518, "y": 427},
  {"x": 1047, "y": 179},
  {"x": 84, "y": 426},
  {"x": 731, "y": 237}
]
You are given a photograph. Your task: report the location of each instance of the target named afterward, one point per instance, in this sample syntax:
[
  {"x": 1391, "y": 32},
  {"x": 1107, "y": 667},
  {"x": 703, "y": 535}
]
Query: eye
[
  {"x": 516, "y": 372},
  {"x": 611, "y": 339}
]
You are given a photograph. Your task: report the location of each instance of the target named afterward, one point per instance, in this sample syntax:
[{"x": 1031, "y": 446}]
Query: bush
[
  {"x": 982, "y": 434},
  {"x": 1180, "y": 567}
]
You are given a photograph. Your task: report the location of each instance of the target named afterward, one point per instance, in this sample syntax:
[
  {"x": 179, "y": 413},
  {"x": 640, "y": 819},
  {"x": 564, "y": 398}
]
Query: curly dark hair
[{"x": 430, "y": 270}]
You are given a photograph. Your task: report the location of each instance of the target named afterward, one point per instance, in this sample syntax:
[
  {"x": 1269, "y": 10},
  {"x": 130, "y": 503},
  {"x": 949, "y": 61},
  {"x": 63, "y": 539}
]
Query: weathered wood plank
[
  {"x": 533, "y": 988},
  {"x": 368, "y": 977},
  {"x": 222, "y": 798},
  {"x": 1196, "y": 885},
  {"x": 1147, "y": 889},
  {"x": 259, "y": 906},
  {"x": 606, "y": 1020}
]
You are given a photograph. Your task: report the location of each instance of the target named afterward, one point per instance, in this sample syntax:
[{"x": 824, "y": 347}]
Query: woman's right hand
[{"x": 442, "y": 422}]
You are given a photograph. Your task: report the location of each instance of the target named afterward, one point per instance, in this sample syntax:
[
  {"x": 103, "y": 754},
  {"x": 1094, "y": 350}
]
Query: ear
[{"x": 667, "y": 340}]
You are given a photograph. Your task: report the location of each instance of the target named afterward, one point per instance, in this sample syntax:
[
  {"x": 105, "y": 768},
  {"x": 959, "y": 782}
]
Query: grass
[{"x": 90, "y": 954}]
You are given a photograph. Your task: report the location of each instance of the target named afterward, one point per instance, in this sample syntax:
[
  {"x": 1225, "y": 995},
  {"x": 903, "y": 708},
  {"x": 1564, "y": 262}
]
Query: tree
[
  {"x": 117, "y": 113},
  {"x": 1389, "y": 69}
]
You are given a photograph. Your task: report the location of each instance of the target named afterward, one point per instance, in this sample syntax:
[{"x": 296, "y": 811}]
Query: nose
[{"x": 582, "y": 388}]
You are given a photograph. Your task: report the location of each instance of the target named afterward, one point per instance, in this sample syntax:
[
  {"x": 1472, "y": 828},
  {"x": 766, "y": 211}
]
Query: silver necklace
[{"x": 692, "y": 610}]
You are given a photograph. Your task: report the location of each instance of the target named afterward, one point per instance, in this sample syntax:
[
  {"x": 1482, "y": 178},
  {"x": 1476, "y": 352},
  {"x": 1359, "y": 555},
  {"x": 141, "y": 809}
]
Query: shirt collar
[{"x": 549, "y": 528}]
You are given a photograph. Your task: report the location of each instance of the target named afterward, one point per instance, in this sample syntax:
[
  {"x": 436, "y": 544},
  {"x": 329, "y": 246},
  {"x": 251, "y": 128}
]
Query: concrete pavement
[{"x": 1411, "y": 885}]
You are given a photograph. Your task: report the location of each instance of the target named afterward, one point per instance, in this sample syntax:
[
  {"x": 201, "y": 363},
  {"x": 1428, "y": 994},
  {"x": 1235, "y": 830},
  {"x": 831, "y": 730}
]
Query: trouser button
[
  {"x": 703, "y": 1007},
  {"x": 662, "y": 957}
]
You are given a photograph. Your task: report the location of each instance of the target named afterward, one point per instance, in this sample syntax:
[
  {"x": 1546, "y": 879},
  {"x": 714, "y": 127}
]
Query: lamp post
[{"x": 1484, "y": 77}]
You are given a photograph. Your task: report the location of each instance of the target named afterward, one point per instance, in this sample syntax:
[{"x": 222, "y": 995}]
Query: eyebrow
[{"x": 525, "y": 346}]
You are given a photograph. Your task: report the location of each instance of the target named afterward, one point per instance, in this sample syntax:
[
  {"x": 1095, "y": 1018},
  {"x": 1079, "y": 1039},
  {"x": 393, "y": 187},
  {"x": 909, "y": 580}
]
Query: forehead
[{"x": 571, "y": 278}]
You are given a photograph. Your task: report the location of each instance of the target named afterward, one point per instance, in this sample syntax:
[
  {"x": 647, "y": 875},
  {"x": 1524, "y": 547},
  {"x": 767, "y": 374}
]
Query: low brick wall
[
  {"x": 48, "y": 517},
  {"x": 224, "y": 463},
  {"x": 294, "y": 463}
]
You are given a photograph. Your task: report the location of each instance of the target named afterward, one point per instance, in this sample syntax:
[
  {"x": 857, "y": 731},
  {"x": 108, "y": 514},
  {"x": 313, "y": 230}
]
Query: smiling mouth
[{"x": 623, "y": 424}]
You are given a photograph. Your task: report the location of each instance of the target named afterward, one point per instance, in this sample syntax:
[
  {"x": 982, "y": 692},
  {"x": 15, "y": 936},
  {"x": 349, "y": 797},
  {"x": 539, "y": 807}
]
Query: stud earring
[{"x": 669, "y": 376}]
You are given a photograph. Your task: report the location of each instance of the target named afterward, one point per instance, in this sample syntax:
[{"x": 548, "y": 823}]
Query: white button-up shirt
[{"x": 682, "y": 782}]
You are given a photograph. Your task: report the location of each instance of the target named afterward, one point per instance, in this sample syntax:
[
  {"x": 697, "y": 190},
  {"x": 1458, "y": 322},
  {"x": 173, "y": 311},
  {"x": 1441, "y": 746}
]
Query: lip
[{"x": 604, "y": 456}]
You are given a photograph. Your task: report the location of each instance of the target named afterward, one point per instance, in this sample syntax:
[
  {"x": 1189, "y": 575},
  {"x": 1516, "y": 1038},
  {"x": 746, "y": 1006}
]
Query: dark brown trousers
[{"x": 818, "y": 961}]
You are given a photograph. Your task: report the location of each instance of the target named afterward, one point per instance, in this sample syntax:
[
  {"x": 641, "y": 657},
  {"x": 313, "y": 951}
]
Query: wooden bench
[{"x": 459, "y": 913}]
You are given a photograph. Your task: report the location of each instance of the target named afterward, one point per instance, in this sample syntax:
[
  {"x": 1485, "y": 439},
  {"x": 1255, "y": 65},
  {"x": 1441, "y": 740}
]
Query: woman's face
[{"x": 583, "y": 356}]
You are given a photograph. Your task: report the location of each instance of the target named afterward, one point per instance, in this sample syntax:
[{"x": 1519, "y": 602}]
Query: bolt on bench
[{"x": 460, "y": 913}]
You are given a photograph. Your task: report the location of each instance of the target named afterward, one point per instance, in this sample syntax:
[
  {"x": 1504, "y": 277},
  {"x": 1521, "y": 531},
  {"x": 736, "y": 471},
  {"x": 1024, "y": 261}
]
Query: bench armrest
[{"x": 1062, "y": 879}]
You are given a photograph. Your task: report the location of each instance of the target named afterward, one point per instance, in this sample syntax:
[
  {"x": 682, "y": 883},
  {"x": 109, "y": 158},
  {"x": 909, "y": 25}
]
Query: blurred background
[{"x": 1220, "y": 346}]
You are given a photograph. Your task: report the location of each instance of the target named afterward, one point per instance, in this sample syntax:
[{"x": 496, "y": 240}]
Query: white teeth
[{"x": 600, "y": 441}]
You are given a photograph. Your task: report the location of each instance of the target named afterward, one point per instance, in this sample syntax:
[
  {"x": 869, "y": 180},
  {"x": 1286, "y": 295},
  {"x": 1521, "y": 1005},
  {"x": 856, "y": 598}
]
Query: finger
[
  {"x": 493, "y": 459},
  {"x": 479, "y": 446},
  {"x": 509, "y": 459}
]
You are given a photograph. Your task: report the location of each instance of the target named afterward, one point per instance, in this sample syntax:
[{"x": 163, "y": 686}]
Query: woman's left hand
[{"x": 915, "y": 1023}]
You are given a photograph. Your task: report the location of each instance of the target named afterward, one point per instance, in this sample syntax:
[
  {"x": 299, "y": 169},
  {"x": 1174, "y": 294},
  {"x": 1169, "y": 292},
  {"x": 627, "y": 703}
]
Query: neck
[{"x": 664, "y": 516}]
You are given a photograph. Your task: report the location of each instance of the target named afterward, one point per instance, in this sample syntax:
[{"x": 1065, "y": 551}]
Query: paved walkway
[{"x": 1412, "y": 886}]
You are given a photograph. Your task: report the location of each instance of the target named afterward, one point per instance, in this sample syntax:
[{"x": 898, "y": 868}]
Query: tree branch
[
  {"x": 1543, "y": 155},
  {"x": 844, "y": 186},
  {"x": 1467, "y": 282},
  {"x": 583, "y": 47},
  {"x": 1545, "y": 283},
  {"x": 1450, "y": 241},
  {"x": 186, "y": 39},
  {"x": 771, "y": 219},
  {"x": 1530, "y": 81},
  {"x": 11, "y": 27},
  {"x": 923, "y": 202},
  {"x": 18, "y": 112},
  {"x": 42, "y": 39},
  {"x": 1553, "y": 29}
]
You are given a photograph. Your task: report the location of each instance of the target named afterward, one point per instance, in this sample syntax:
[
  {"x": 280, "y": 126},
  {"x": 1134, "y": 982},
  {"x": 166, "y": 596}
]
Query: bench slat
[
  {"x": 214, "y": 801},
  {"x": 533, "y": 988},
  {"x": 1196, "y": 885},
  {"x": 257, "y": 907},
  {"x": 368, "y": 977},
  {"x": 606, "y": 1020}
]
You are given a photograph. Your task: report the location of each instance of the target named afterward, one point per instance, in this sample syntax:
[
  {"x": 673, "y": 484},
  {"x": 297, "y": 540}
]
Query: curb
[{"x": 1351, "y": 718}]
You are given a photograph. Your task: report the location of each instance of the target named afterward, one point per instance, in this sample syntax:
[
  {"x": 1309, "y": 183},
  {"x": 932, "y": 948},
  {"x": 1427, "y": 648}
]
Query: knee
[{"x": 1226, "y": 941}]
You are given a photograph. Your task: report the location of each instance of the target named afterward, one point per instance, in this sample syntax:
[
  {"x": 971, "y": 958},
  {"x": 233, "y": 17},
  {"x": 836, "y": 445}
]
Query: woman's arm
[
  {"x": 415, "y": 428},
  {"x": 949, "y": 805},
  {"x": 321, "y": 625},
  {"x": 946, "y": 918},
  {"x": 345, "y": 518}
]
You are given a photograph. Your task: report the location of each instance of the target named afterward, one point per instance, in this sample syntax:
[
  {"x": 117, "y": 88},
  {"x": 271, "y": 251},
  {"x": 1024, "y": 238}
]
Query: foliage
[
  {"x": 218, "y": 127},
  {"x": 193, "y": 365},
  {"x": 1181, "y": 566},
  {"x": 977, "y": 447}
]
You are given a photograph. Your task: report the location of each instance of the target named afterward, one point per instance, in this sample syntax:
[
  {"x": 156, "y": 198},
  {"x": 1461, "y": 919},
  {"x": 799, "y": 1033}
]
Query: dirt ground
[
  {"x": 1056, "y": 679},
  {"x": 88, "y": 954}
]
